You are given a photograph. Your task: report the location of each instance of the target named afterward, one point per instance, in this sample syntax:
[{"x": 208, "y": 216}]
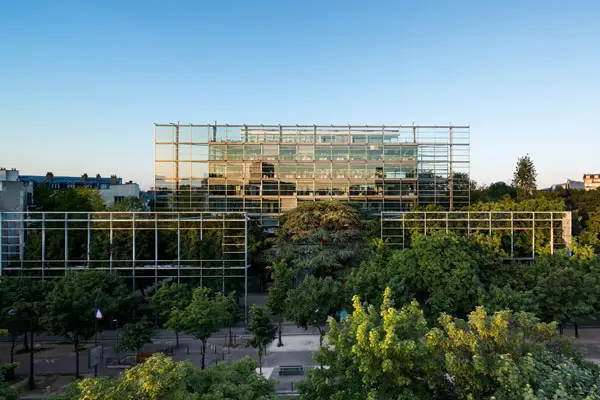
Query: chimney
[
  {"x": 49, "y": 176},
  {"x": 84, "y": 177},
  {"x": 113, "y": 179}
]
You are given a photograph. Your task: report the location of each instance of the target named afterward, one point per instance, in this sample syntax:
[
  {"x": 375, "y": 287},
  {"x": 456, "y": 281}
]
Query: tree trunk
[
  {"x": 320, "y": 336},
  {"x": 31, "y": 382},
  {"x": 576, "y": 329},
  {"x": 279, "y": 343},
  {"x": 12, "y": 349},
  {"x": 76, "y": 343},
  {"x": 230, "y": 336},
  {"x": 260, "y": 360},
  {"x": 203, "y": 352},
  {"x": 177, "y": 339},
  {"x": 560, "y": 329},
  {"x": 25, "y": 342}
]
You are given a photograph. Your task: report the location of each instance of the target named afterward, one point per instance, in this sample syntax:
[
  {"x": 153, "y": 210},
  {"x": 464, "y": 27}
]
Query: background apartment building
[
  {"x": 268, "y": 169},
  {"x": 591, "y": 181}
]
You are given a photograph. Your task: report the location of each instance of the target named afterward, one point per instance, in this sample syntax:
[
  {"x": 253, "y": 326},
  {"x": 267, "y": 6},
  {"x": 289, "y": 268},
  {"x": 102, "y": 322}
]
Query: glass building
[{"x": 268, "y": 169}]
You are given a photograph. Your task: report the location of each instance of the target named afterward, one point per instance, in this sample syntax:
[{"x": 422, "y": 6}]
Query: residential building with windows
[
  {"x": 591, "y": 181},
  {"x": 268, "y": 169}
]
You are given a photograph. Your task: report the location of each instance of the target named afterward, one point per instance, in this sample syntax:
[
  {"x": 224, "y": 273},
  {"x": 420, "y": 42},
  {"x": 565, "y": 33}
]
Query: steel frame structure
[
  {"x": 523, "y": 234},
  {"x": 267, "y": 169},
  {"x": 146, "y": 248}
]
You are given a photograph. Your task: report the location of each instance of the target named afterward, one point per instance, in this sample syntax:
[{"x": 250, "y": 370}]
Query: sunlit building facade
[{"x": 265, "y": 170}]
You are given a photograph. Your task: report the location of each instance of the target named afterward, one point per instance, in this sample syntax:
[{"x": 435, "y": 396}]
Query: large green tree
[
  {"x": 263, "y": 331},
  {"x": 324, "y": 238},
  {"x": 201, "y": 318},
  {"x": 161, "y": 378},
  {"x": 169, "y": 297},
  {"x": 390, "y": 353},
  {"x": 312, "y": 302},
  {"x": 525, "y": 177},
  {"x": 71, "y": 304},
  {"x": 282, "y": 283}
]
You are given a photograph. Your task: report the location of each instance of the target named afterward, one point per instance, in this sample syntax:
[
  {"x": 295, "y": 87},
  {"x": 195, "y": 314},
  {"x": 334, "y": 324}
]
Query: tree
[
  {"x": 262, "y": 330},
  {"x": 161, "y": 378},
  {"x": 201, "y": 318},
  {"x": 324, "y": 238},
  {"x": 372, "y": 355},
  {"x": 71, "y": 304},
  {"x": 282, "y": 283},
  {"x": 392, "y": 354},
  {"x": 130, "y": 203},
  {"x": 313, "y": 302},
  {"x": 135, "y": 335},
  {"x": 567, "y": 289},
  {"x": 231, "y": 309},
  {"x": 168, "y": 297},
  {"x": 525, "y": 177}
]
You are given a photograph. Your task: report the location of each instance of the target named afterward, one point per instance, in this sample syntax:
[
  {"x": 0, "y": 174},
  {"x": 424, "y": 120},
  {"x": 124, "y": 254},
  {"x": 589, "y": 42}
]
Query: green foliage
[
  {"x": 262, "y": 329},
  {"x": 128, "y": 204},
  {"x": 313, "y": 302},
  {"x": 70, "y": 305},
  {"x": 230, "y": 311},
  {"x": 160, "y": 378},
  {"x": 391, "y": 354},
  {"x": 169, "y": 297},
  {"x": 22, "y": 303},
  {"x": 322, "y": 237},
  {"x": 525, "y": 177},
  {"x": 6, "y": 392},
  {"x": 79, "y": 199},
  {"x": 282, "y": 283},
  {"x": 201, "y": 318},
  {"x": 135, "y": 335}
]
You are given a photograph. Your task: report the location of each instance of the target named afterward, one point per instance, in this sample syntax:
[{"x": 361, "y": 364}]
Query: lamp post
[{"x": 31, "y": 380}]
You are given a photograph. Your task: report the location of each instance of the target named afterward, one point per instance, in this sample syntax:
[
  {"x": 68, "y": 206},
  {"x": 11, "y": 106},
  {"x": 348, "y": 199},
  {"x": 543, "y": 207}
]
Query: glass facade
[{"x": 266, "y": 170}]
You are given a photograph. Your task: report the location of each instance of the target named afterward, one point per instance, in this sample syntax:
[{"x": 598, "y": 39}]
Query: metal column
[
  {"x": 66, "y": 241},
  {"x": 44, "y": 246},
  {"x": 89, "y": 238},
  {"x": 1, "y": 245}
]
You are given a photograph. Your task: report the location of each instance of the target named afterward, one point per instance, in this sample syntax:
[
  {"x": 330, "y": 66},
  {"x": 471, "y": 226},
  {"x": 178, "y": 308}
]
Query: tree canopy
[{"x": 525, "y": 177}]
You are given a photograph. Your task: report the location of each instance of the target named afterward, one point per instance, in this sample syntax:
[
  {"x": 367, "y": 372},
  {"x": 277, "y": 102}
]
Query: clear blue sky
[{"x": 81, "y": 82}]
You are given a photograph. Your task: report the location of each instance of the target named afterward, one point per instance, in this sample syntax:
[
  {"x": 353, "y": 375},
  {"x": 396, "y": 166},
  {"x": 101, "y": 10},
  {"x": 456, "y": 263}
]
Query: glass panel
[
  {"x": 217, "y": 170},
  {"x": 199, "y": 170},
  {"x": 374, "y": 152},
  {"x": 305, "y": 153},
  {"x": 253, "y": 206},
  {"x": 339, "y": 188},
  {"x": 358, "y": 152},
  {"x": 324, "y": 137},
  {"x": 252, "y": 152},
  {"x": 217, "y": 152},
  {"x": 287, "y": 170},
  {"x": 322, "y": 153},
  {"x": 359, "y": 138},
  {"x": 305, "y": 170},
  {"x": 408, "y": 189},
  {"x": 304, "y": 188},
  {"x": 374, "y": 171},
  {"x": 253, "y": 189},
  {"x": 391, "y": 137},
  {"x": 392, "y": 205},
  {"x": 341, "y": 137},
  {"x": 357, "y": 171},
  {"x": 164, "y": 152},
  {"x": 200, "y": 134},
  {"x": 235, "y": 170},
  {"x": 270, "y": 189},
  {"x": 287, "y": 188},
  {"x": 235, "y": 152},
  {"x": 340, "y": 153},
  {"x": 217, "y": 188},
  {"x": 322, "y": 171},
  {"x": 409, "y": 153},
  {"x": 323, "y": 188},
  {"x": 234, "y": 188},
  {"x": 392, "y": 188},
  {"x": 270, "y": 152},
  {"x": 287, "y": 152},
  {"x": 269, "y": 170},
  {"x": 392, "y": 153},
  {"x": 270, "y": 206},
  {"x": 340, "y": 170},
  {"x": 358, "y": 189}
]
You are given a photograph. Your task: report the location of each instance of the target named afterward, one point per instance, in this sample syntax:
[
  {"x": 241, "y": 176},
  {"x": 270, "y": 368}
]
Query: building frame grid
[{"x": 523, "y": 234}]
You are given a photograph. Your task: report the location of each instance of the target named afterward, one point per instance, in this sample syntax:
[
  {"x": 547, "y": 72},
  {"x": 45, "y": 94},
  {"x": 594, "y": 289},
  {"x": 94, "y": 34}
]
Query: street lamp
[{"x": 31, "y": 381}]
